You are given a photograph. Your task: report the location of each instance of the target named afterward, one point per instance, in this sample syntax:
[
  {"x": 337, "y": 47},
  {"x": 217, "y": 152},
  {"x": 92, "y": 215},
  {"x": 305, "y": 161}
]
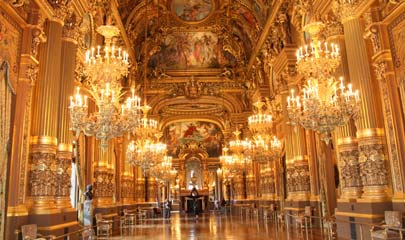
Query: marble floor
[{"x": 216, "y": 226}]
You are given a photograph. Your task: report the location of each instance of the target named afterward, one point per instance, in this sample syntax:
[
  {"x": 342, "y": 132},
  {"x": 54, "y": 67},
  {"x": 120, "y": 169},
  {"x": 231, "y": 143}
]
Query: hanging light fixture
[
  {"x": 104, "y": 67},
  {"x": 325, "y": 102},
  {"x": 163, "y": 170},
  {"x": 261, "y": 122},
  {"x": 264, "y": 147}
]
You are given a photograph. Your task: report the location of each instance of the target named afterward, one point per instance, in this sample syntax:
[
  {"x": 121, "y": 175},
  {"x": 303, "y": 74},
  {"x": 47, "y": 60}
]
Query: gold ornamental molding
[
  {"x": 347, "y": 141},
  {"x": 64, "y": 147},
  {"x": 370, "y": 132},
  {"x": 47, "y": 140},
  {"x": 17, "y": 211}
]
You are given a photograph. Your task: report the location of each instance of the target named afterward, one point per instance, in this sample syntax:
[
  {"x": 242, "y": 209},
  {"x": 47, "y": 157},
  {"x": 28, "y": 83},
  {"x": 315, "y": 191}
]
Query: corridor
[{"x": 216, "y": 227}]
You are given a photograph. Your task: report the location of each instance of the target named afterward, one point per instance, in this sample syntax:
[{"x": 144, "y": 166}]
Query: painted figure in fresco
[
  {"x": 190, "y": 130},
  {"x": 192, "y": 10}
]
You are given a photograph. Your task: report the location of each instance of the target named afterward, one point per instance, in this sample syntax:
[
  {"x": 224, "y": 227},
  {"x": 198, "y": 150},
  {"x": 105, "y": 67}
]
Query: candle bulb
[{"x": 98, "y": 50}]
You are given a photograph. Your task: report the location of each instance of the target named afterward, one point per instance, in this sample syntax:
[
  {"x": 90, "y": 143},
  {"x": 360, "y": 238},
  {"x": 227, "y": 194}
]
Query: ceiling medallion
[{"x": 192, "y": 11}]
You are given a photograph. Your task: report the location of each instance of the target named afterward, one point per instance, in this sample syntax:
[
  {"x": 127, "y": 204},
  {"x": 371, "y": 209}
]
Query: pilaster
[{"x": 372, "y": 157}]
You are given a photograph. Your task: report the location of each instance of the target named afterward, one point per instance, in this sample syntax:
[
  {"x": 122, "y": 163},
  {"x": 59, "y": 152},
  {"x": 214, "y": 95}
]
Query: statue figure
[{"x": 88, "y": 194}]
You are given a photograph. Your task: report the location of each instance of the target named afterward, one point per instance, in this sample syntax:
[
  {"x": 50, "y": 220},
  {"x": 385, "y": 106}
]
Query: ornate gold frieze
[
  {"x": 349, "y": 168},
  {"x": 372, "y": 164},
  {"x": 103, "y": 185},
  {"x": 62, "y": 174},
  {"x": 127, "y": 187},
  {"x": 42, "y": 174}
]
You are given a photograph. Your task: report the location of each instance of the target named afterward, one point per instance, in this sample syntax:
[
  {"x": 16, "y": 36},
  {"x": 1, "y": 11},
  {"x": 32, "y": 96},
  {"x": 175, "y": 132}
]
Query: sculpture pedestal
[{"x": 88, "y": 213}]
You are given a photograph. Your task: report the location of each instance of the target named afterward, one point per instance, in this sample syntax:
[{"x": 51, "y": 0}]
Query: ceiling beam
[{"x": 264, "y": 34}]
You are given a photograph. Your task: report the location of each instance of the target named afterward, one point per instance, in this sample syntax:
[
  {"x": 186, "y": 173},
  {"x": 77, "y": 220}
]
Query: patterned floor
[{"x": 215, "y": 226}]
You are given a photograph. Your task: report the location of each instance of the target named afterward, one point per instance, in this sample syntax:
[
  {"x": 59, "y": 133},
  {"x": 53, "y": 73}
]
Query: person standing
[{"x": 168, "y": 206}]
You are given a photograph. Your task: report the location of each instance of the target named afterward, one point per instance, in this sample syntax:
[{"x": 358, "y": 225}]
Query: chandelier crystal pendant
[
  {"x": 103, "y": 69},
  {"x": 325, "y": 102}
]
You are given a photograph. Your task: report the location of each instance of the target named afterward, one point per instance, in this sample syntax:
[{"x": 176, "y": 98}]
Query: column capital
[
  {"x": 345, "y": 10},
  {"x": 333, "y": 27},
  {"x": 71, "y": 31},
  {"x": 59, "y": 10},
  {"x": 29, "y": 67}
]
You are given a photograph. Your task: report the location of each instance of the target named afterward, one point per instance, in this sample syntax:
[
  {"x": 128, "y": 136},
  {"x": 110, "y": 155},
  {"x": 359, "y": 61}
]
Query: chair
[
  {"x": 30, "y": 232},
  {"x": 280, "y": 218},
  {"x": 303, "y": 218},
  {"x": 88, "y": 234},
  {"x": 268, "y": 213},
  {"x": 127, "y": 222},
  {"x": 104, "y": 227},
  {"x": 390, "y": 228}
]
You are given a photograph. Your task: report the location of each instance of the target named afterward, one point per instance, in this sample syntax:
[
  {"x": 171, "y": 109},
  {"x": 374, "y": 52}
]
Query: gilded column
[
  {"x": 140, "y": 186},
  {"x": 29, "y": 66},
  {"x": 238, "y": 188},
  {"x": 264, "y": 181},
  {"x": 65, "y": 138},
  {"x": 42, "y": 175},
  {"x": 250, "y": 184},
  {"x": 376, "y": 33},
  {"x": 103, "y": 177},
  {"x": 127, "y": 178},
  {"x": 271, "y": 180},
  {"x": 347, "y": 145},
  {"x": 153, "y": 186},
  {"x": 372, "y": 158},
  {"x": 301, "y": 167}
]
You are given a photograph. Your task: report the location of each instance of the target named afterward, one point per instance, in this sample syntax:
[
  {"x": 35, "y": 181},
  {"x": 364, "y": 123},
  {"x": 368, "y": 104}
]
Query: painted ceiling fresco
[
  {"x": 204, "y": 133},
  {"x": 192, "y": 10},
  {"x": 183, "y": 29},
  {"x": 183, "y": 50}
]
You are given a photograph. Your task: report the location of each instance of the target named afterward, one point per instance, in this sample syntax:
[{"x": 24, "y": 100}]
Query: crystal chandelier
[
  {"x": 266, "y": 149},
  {"x": 146, "y": 151},
  {"x": 325, "y": 103},
  {"x": 261, "y": 122},
  {"x": 263, "y": 148},
  {"x": 227, "y": 161},
  {"x": 147, "y": 127},
  {"x": 104, "y": 68},
  {"x": 163, "y": 170},
  {"x": 145, "y": 154},
  {"x": 241, "y": 153}
]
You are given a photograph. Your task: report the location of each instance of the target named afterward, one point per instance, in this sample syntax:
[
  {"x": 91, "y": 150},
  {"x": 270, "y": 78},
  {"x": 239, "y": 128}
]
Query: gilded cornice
[{"x": 265, "y": 33}]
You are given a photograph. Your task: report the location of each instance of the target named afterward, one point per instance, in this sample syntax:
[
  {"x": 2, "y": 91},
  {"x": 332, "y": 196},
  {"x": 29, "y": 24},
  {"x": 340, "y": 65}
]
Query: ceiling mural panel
[
  {"x": 189, "y": 50},
  {"x": 192, "y": 10},
  {"x": 207, "y": 135}
]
